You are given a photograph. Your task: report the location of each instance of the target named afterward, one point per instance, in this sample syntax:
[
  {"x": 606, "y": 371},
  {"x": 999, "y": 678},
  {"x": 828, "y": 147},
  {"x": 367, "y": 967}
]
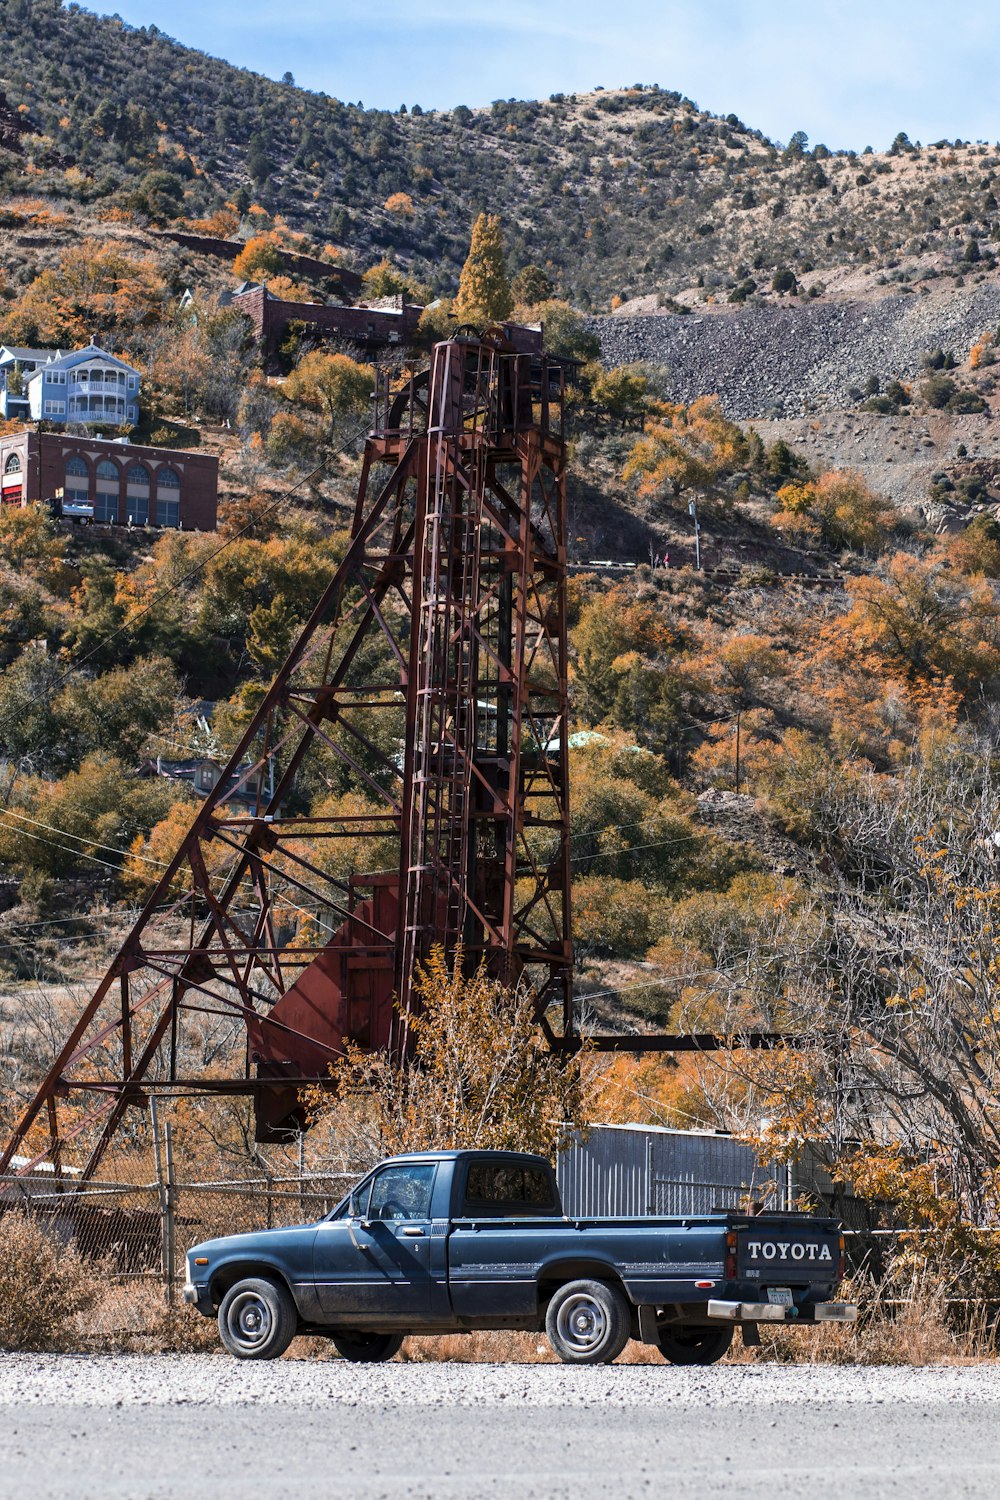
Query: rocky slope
[{"x": 783, "y": 359}]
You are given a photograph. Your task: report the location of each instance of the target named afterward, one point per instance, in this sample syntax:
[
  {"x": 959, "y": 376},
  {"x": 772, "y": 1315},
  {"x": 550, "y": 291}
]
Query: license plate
[{"x": 779, "y": 1296}]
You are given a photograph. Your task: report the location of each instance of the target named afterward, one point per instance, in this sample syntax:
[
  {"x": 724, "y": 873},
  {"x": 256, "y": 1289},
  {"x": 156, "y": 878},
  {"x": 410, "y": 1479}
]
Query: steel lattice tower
[{"x": 431, "y": 685}]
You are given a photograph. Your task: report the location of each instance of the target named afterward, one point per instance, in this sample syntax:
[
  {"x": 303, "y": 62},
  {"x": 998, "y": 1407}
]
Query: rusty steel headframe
[{"x": 428, "y": 695}]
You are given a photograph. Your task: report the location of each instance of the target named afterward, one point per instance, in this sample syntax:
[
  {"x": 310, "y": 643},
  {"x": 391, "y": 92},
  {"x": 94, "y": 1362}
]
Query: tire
[
  {"x": 367, "y": 1348},
  {"x": 588, "y": 1323},
  {"x": 257, "y": 1319},
  {"x": 687, "y": 1344}
]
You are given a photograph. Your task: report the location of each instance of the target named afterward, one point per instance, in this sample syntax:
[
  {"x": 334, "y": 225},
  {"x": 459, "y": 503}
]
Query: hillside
[
  {"x": 620, "y": 193},
  {"x": 764, "y": 748}
]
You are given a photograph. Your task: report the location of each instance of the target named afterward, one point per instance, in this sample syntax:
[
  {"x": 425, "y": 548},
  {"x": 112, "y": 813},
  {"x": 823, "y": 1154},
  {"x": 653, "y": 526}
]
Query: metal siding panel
[{"x": 689, "y": 1173}]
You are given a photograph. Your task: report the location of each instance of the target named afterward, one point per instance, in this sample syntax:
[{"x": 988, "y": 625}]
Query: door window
[{"x": 402, "y": 1193}]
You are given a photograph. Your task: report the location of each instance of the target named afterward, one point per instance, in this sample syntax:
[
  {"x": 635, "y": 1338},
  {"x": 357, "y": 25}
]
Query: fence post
[
  {"x": 165, "y": 1188},
  {"x": 169, "y": 1195},
  {"x": 302, "y": 1168}
]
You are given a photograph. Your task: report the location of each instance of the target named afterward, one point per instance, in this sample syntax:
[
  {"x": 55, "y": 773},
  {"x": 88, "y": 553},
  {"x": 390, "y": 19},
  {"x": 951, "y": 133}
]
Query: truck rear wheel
[
  {"x": 257, "y": 1319},
  {"x": 588, "y": 1323},
  {"x": 367, "y": 1348},
  {"x": 687, "y": 1344}
]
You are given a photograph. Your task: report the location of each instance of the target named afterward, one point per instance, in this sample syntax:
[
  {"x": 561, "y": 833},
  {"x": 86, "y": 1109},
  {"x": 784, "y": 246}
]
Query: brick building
[
  {"x": 110, "y": 483},
  {"x": 372, "y": 326},
  {"x": 392, "y": 322}
]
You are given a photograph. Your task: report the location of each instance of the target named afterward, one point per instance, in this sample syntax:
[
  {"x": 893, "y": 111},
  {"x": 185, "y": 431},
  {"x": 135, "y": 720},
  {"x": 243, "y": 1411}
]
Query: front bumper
[
  {"x": 773, "y": 1312},
  {"x": 199, "y": 1297}
]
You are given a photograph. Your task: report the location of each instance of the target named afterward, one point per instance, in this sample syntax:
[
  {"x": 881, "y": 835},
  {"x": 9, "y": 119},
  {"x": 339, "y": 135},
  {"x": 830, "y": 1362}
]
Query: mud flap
[{"x": 649, "y": 1332}]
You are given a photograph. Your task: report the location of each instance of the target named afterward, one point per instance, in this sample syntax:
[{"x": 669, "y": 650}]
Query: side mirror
[{"x": 354, "y": 1212}]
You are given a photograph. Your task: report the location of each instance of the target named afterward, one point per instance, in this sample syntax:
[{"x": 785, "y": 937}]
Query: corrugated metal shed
[{"x": 649, "y": 1169}]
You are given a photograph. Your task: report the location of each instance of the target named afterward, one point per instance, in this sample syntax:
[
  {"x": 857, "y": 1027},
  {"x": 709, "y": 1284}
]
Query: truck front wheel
[
  {"x": 367, "y": 1348},
  {"x": 588, "y": 1323},
  {"x": 686, "y": 1344},
  {"x": 257, "y": 1319}
]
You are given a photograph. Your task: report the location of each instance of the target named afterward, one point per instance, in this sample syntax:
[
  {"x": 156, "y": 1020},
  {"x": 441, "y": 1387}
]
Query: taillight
[
  {"x": 842, "y": 1263},
  {"x": 731, "y": 1255}
]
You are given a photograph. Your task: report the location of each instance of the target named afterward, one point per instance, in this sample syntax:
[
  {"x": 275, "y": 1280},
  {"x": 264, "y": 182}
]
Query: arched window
[
  {"x": 137, "y": 495},
  {"x": 10, "y": 485},
  {"x": 77, "y": 487},
  {"x": 168, "y": 498},
  {"x": 106, "y": 503}
]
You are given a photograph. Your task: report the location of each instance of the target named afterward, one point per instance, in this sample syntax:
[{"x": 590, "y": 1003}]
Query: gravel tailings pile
[{"x": 768, "y": 361}]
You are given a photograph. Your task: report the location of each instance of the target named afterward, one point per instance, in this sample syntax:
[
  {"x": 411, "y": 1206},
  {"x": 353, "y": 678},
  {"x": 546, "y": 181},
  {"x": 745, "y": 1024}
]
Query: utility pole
[{"x": 693, "y": 513}]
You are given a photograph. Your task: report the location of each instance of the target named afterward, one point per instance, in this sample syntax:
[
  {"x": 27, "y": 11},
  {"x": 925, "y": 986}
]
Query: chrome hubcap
[
  {"x": 249, "y": 1320},
  {"x": 582, "y": 1324}
]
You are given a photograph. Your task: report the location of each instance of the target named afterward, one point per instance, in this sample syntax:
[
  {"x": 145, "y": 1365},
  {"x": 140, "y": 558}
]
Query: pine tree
[{"x": 484, "y": 294}]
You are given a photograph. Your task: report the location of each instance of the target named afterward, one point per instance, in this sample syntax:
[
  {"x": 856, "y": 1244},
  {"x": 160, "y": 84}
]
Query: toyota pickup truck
[{"x": 450, "y": 1241}]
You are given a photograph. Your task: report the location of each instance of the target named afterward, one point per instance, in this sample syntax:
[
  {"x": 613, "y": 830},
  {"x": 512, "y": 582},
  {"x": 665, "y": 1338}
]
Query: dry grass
[
  {"x": 134, "y": 1317},
  {"x": 912, "y": 1326},
  {"x": 503, "y": 1348}
]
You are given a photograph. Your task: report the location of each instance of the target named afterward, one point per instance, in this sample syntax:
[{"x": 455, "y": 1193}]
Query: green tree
[
  {"x": 484, "y": 294},
  {"x": 384, "y": 280},
  {"x": 119, "y": 710},
  {"x": 333, "y": 384},
  {"x": 270, "y": 634},
  {"x": 621, "y": 392},
  {"x": 532, "y": 285},
  {"x": 566, "y": 331},
  {"x": 86, "y": 819},
  {"x": 29, "y": 726}
]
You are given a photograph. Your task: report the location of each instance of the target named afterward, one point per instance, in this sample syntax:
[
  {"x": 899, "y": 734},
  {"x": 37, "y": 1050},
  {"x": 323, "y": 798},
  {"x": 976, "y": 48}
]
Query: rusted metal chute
[{"x": 428, "y": 694}]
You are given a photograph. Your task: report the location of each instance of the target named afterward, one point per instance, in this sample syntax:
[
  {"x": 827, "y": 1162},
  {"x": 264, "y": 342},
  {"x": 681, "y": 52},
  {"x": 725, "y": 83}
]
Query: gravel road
[{"x": 203, "y": 1426}]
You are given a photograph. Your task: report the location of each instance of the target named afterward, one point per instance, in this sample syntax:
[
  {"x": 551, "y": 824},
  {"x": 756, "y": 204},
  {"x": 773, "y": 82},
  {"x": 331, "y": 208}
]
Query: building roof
[
  {"x": 20, "y": 355},
  {"x": 228, "y": 297},
  {"x": 80, "y": 356}
]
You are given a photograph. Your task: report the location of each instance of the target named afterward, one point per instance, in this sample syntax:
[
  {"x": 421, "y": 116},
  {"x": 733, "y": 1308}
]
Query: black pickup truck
[{"x": 449, "y": 1241}]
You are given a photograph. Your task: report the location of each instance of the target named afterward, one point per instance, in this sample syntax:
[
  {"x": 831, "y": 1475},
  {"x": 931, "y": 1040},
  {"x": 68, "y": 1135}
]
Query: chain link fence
[{"x": 136, "y": 1236}]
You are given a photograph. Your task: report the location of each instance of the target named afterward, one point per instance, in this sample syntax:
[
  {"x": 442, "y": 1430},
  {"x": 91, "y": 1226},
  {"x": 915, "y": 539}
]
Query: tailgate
[{"x": 788, "y": 1253}]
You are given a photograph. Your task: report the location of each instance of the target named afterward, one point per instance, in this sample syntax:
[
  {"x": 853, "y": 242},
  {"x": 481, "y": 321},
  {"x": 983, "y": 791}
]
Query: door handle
[{"x": 412, "y": 1232}]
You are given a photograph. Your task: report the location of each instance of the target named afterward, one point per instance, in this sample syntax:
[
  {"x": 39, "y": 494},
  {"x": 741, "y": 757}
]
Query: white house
[
  {"x": 17, "y": 365},
  {"x": 88, "y": 386}
]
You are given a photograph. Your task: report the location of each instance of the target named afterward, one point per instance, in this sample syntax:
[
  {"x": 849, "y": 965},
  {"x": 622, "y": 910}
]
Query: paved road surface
[{"x": 205, "y": 1427}]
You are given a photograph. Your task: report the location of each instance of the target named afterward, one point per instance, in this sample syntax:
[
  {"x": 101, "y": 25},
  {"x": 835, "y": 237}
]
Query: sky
[{"x": 849, "y": 74}]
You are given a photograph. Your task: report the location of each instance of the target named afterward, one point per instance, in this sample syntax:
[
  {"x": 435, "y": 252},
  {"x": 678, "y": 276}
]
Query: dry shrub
[
  {"x": 45, "y": 1287},
  {"x": 896, "y": 1326},
  {"x": 135, "y": 1317}
]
